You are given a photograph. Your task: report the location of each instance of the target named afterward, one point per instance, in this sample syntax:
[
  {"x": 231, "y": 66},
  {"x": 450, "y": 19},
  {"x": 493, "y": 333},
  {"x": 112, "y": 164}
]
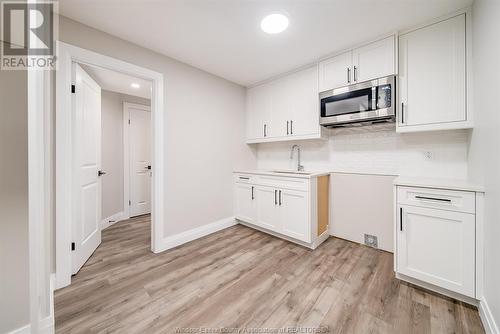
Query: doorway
[{"x": 78, "y": 157}]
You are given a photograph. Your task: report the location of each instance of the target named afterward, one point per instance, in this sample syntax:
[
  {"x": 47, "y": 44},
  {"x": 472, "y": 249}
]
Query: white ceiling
[
  {"x": 119, "y": 82},
  {"x": 223, "y": 37}
]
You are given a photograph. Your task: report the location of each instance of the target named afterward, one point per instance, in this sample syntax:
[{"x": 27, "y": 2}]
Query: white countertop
[
  {"x": 440, "y": 183},
  {"x": 286, "y": 173}
]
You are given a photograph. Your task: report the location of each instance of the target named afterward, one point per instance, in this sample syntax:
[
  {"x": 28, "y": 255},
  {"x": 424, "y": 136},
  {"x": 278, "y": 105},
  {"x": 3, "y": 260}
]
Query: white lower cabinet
[
  {"x": 244, "y": 202},
  {"x": 293, "y": 213},
  {"x": 267, "y": 208},
  {"x": 438, "y": 244},
  {"x": 293, "y": 208}
]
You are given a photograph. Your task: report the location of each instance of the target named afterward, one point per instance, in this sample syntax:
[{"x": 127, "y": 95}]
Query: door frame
[
  {"x": 67, "y": 54},
  {"x": 126, "y": 154}
]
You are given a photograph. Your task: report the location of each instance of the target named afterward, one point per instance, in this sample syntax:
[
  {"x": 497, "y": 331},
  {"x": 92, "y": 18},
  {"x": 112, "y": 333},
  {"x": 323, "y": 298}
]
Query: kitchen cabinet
[
  {"x": 437, "y": 246},
  {"x": 438, "y": 238},
  {"x": 432, "y": 77},
  {"x": 284, "y": 109},
  {"x": 368, "y": 62},
  {"x": 335, "y": 72},
  {"x": 293, "y": 214},
  {"x": 291, "y": 206},
  {"x": 258, "y": 112},
  {"x": 267, "y": 208},
  {"x": 375, "y": 60},
  {"x": 245, "y": 204}
]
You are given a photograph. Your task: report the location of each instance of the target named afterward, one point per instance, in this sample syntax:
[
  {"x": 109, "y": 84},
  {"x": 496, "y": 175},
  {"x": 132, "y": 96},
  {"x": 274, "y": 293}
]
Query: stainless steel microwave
[{"x": 364, "y": 103}]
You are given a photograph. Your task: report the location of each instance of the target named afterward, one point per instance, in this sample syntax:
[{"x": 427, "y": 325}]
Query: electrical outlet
[{"x": 371, "y": 241}]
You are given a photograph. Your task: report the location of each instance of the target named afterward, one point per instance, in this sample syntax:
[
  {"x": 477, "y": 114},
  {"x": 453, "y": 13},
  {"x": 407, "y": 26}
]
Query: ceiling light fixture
[
  {"x": 274, "y": 23},
  {"x": 135, "y": 85}
]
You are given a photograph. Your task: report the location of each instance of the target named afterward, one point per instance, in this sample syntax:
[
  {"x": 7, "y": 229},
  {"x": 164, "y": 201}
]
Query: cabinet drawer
[
  {"x": 461, "y": 201},
  {"x": 245, "y": 178},
  {"x": 284, "y": 182}
]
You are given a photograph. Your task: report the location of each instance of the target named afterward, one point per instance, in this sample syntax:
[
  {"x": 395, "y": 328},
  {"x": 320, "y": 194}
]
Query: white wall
[
  {"x": 14, "y": 256},
  {"x": 112, "y": 149},
  {"x": 485, "y": 139},
  {"x": 205, "y": 130},
  {"x": 376, "y": 150}
]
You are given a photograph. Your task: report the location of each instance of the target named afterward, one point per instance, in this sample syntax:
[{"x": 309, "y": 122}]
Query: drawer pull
[
  {"x": 275, "y": 197},
  {"x": 244, "y": 178},
  {"x": 434, "y": 199}
]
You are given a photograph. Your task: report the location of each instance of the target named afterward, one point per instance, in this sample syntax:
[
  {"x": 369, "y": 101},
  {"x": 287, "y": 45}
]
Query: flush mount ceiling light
[
  {"x": 274, "y": 23},
  {"x": 135, "y": 85}
]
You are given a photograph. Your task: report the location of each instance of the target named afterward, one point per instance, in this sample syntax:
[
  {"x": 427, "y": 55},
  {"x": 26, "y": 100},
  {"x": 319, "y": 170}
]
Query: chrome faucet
[{"x": 299, "y": 166}]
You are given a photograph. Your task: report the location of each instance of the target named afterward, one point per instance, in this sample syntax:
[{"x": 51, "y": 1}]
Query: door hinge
[
  {"x": 129, "y": 202},
  {"x": 73, "y": 246},
  {"x": 73, "y": 89}
]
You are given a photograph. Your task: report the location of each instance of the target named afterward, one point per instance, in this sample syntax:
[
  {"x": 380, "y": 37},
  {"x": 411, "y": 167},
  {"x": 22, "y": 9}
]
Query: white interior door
[
  {"x": 140, "y": 159},
  {"x": 87, "y": 163}
]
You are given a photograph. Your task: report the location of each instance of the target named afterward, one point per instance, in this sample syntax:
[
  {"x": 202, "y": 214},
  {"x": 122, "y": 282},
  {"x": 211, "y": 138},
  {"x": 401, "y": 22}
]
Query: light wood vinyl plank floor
[{"x": 242, "y": 278}]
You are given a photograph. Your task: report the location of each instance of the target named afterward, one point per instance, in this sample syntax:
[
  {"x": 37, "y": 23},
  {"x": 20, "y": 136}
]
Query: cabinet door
[
  {"x": 437, "y": 246},
  {"x": 281, "y": 107},
  {"x": 304, "y": 110},
  {"x": 374, "y": 60},
  {"x": 335, "y": 72},
  {"x": 294, "y": 214},
  {"x": 245, "y": 208},
  {"x": 267, "y": 208},
  {"x": 258, "y": 111},
  {"x": 432, "y": 78}
]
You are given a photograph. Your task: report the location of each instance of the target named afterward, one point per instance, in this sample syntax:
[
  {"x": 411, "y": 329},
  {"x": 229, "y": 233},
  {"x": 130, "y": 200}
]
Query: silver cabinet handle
[
  {"x": 275, "y": 197},
  {"x": 280, "y": 198},
  {"x": 401, "y": 219},
  {"x": 348, "y": 75},
  {"x": 100, "y": 173},
  {"x": 402, "y": 112},
  {"x": 252, "y": 194},
  {"x": 287, "y": 127},
  {"x": 244, "y": 178},
  {"x": 355, "y": 72},
  {"x": 434, "y": 199},
  {"x": 291, "y": 127},
  {"x": 265, "y": 128}
]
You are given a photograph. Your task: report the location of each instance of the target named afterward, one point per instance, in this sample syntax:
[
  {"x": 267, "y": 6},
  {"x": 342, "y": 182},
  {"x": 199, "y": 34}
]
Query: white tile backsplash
[{"x": 376, "y": 149}]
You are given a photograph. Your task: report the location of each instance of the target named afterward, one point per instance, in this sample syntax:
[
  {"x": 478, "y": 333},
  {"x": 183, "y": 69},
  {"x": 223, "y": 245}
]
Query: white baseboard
[
  {"x": 190, "y": 235},
  {"x": 22, "y": 330},
  {"x": 107, "y": 222},
  {"x": 487, "y": 319}
]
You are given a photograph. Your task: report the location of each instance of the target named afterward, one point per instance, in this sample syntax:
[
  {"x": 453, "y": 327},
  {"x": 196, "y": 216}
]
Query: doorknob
[{"x": 101, "y": 173}]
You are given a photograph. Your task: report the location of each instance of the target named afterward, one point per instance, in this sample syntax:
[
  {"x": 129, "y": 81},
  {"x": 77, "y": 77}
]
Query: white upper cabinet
[
  {"x": 284, "y": 109},
  {"x": 432, "y": 77},
  {"x": 258, "y": 111},
  {"x": 303, "y": 94},
  {"x": 374, "y": 60},
  {"x": 371, "y": 61},
  {"x": 335, "y": 72}
]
